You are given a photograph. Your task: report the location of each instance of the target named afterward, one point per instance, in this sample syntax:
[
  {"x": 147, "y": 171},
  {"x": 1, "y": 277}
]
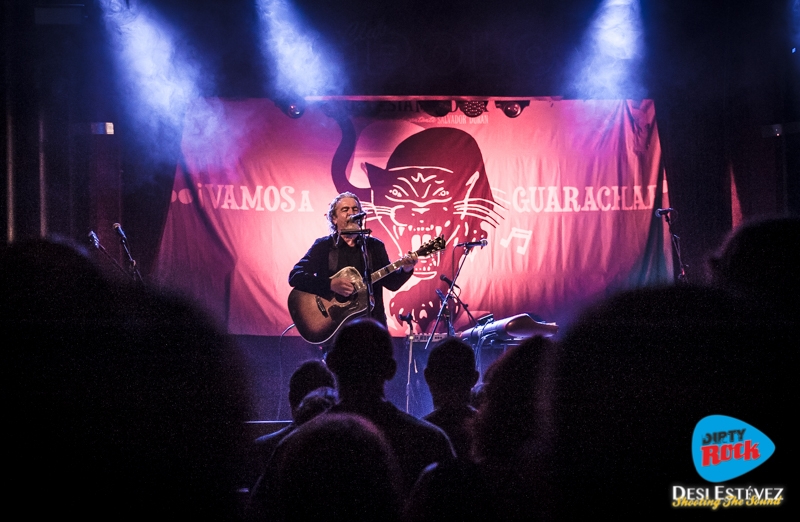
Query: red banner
[{"x": 564, "y": 194}]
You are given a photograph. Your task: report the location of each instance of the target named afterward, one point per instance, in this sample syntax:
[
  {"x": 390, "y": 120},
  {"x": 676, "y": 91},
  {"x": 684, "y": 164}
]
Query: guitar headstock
[{"x": 429, "y": 247}]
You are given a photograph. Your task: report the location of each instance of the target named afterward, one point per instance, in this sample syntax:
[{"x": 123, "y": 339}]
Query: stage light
[
  {"x": 473, "y": 108},
  {"x": 794, "y": 16},
  {"x": 512, "y": 109},
  {"x": 159, "y": 77},
  {"x": 608, "y": 62},
  {"x": 293, "y": 109},
  {"x": 298, "y": 55}
]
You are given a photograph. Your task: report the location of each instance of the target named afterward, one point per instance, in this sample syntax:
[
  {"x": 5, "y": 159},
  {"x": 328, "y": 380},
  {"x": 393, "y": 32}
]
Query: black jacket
[{"x": 326, "y": 257}]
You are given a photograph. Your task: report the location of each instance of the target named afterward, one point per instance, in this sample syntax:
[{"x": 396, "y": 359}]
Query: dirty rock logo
[{"x": 724, "y": 448}]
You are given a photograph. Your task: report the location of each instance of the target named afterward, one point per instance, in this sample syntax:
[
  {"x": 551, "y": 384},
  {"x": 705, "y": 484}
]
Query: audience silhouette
[
  {"x": 337, "y": 467},
  {"x": 450, "y": 374},
  {"x": 135, "y": 400},
  {"x": 123, "y": 402},
  {"x": 512, "y": 422},
  {"x": 308, "y": 376},
  {"x": 760, "y": 260},
  {"x": 361, "y": 358},
  {"x": 636, "y": 374}
]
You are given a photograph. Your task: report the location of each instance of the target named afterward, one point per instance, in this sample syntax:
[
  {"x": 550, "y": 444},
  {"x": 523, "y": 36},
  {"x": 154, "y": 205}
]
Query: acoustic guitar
[{"x": 318, "y": 317}]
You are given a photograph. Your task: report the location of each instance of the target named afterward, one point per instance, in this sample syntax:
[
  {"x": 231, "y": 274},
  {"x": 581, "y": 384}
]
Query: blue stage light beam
[
  {"x": 302, "y": 63},
  {"x": 794, "y": 16},
  {"x": 156, "y": 76},
  {"x": 609, "y": 62}
]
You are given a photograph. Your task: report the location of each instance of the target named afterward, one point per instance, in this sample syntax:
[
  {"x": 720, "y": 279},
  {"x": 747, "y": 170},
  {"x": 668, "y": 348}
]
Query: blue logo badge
[{"x": 724, "y": 448}]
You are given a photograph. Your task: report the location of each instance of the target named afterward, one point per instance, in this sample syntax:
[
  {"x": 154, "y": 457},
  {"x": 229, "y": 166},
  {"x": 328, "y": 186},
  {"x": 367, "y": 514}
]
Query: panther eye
[
  {"x": 395, "y": 193},
  {"x": 441, "y": 192}
]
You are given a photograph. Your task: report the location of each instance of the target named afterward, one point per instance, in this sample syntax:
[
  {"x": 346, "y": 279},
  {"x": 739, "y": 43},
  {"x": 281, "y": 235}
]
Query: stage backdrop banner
[{"x": 564, "y": 193}]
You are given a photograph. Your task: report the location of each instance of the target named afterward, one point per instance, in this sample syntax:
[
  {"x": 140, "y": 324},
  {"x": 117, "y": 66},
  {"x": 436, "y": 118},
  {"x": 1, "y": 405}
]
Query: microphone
[
  {"x": 357, "y": 217},
  {"x": 120, "y": 232},
  {"x": 469, "y": 244},
  {"x": 661, "y": 212},
  {"x": 94, "y": 240},
  {"x": 448, "y": 281}
]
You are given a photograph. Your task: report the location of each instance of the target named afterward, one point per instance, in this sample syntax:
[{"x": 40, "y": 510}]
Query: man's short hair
[
  {"x": 361, "y": 350},
  {"x": 337, "y": 466},
  {"x": 332, "y": 207},
  {"x": 451, "y": 363},
  {"x": 309, "y": 376}
]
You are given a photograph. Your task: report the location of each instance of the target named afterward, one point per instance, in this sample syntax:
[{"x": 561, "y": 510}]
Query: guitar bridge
[{"x": 321, "y": 307}]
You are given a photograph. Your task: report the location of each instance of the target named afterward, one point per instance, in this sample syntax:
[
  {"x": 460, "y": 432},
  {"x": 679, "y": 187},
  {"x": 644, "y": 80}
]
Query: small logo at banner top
[{"x": 724, "y": 448}]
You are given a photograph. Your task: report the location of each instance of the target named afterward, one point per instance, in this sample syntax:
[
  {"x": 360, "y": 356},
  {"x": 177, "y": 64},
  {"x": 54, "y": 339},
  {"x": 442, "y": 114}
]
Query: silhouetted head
[
  {"x": 126, "y": 394},
  {"x": 636, "y": 374},
  {"x": 516, "y": 403},
  {"x": 761, "y": 259},
  {"x": 337, "y": 467},
  {"x": 362, "y": 356},
  {"x": 309, "y": 376},
  {"x": 315, "y": 403},
  {"x": 451, "y": 368}
]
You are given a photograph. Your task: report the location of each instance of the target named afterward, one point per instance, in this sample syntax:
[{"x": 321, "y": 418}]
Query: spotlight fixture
[
  {"x": 512, "y": 109},
  {"x": 437, "y": 108},
  {"x": 293, "y": 109},
  {"x": 473, "y": 108}
]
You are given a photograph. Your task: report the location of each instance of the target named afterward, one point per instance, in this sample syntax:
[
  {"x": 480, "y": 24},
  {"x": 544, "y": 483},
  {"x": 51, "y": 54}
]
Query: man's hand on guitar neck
[
  {"x": 409, "y": 261},
  {"x": 343, "y": 286}
]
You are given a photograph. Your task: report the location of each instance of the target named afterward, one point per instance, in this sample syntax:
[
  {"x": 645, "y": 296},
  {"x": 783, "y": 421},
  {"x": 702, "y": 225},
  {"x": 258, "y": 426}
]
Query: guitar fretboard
[
  {"x": 385, "y": 271},
  {"x": 434, "y": 245}
]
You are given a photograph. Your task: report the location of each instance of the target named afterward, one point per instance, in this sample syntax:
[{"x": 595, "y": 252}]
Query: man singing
[{"x": 338, "y": 250}]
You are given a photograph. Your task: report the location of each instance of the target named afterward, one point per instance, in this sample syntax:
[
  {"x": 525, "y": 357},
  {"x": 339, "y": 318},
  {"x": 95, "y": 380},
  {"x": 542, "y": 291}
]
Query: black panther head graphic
[{"x": 434, "y": 184}]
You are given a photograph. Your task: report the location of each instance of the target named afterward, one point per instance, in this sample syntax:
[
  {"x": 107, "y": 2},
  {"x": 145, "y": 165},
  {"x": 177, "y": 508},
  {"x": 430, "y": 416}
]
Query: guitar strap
[{"x": 333, "y": 256}]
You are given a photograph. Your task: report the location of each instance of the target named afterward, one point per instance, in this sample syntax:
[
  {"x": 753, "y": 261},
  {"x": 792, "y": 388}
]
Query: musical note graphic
[{"x": 520, "y": 233}]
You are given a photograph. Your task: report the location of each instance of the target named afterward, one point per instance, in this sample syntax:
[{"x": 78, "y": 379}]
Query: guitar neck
[
  {"x": 427, "y": 249},
  {"x": 385, "y": 271}
]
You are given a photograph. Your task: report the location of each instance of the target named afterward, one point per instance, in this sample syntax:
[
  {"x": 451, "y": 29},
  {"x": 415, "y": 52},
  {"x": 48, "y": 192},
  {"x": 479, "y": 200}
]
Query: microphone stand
[
  {"x": 409, "y": 341},
  {"x": 446, "y": 300},
  {"x": 367, "y": 275},
  {"x": 132, "y": 268},
  {"x": 446, "y": 314},
  {"x": 676, "y": 246},
  {"x": 464, "y": 305},
  {"x": 95, "y": 242}
]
